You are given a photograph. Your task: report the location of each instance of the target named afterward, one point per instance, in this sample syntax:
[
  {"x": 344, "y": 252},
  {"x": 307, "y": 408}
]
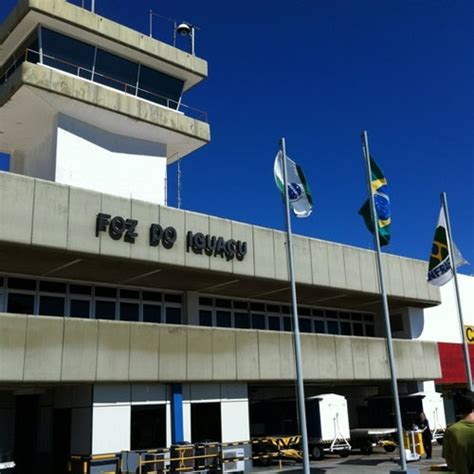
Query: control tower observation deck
[{"x": 87, "y": 102}]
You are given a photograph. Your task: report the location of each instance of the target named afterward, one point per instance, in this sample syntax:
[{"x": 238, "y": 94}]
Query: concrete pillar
[{"x": 191, "y": 308}]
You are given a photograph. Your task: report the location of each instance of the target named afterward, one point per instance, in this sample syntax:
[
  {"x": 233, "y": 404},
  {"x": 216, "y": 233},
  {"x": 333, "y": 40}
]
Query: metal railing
[{"x": 37, "y": 57}]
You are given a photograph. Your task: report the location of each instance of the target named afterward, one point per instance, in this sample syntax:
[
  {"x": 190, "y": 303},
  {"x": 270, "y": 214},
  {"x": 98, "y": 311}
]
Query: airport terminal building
[{"x": 126, "y": 324}]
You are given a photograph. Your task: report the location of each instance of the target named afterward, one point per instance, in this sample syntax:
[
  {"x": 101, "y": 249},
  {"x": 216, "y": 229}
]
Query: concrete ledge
[
  {"x": 50, "y": 349},
  {"x": 44, "y": 78}
]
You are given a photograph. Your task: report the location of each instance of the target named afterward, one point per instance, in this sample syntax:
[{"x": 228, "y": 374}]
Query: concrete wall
[
  {"x": 91, "y": 158},
  {"x": 441, "y": 323},
  {"x": 49, "y": 349},
  {"x": 72, "y": 227}
]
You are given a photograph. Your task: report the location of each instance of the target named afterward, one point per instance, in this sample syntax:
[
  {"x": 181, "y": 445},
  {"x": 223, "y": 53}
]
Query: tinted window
[
  {"x": 23, "y": 304},
  {"x": 346, "y": 328},
  {"x": 369, "y": 331},
  {"x": 148, "y": 427},
  {"x": 170, "y": 298},
  {"x": 319, "y": 326},
  {"x": 318, "y": 312},
  {"x": 173, "y": 315},
  {"x": 115, "y": 72},
  {"x": 205, "y": 301},
  {"x": 205, "y": 318},
  {"x": 287, "y": 324},
  {"x": 241, "y": 305},
  {"x": 258, "y": 321},
  {"x": 80, "y": 308},
  {"x": 130, "y": 294},
  {"x": 80, "y": 289},
  {"x": 157, "y": 87},
  {"x": 333, "y": 327},
  {"x": 223, "y": 319},
  {"x": 271, "y": 308},
  {"x": 151, "y": 296},
  {"x": 52, "y": 287},
  {"x": 21, "y": 284},
  {"x": 106, "y": 291},
  {"x": 274, "y": 323},
  {"x": 151, "y": 313},
  {"x": 67, "y": 54},
  {"x": 242, "y": 320},
  {"x": 257, "y": 306},
  {"x": 358, "y": 329},
  {"x": 223, "y": 303},
  {"x": 105, "y": 310},
  {"x": 303, "y": 311},
  {"x": 305, "y": 325},
  {"x": 129, "y": 311},
  {"x": 51, "y": 306}
]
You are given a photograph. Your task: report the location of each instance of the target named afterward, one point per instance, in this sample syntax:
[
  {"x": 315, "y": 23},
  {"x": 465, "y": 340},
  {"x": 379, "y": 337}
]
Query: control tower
[{"x": 91, "y": 103}]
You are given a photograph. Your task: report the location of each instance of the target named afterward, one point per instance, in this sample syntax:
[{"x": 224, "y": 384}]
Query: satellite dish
[{"x": 184, "y": 29}]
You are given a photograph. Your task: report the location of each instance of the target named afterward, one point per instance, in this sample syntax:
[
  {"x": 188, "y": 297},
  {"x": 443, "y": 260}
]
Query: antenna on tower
[{"x": 178, "y": 187}]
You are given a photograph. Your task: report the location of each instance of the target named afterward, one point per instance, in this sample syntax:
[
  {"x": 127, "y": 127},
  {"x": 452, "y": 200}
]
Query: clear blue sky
[{"x": 318, "y": 72}]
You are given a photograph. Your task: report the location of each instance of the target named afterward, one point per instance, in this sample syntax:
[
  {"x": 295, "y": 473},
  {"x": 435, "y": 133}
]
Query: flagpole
[
  {"x": 467, "y": 362},
  {"x": 388, "y": 330},
  {"x": 296, "y": 329}
]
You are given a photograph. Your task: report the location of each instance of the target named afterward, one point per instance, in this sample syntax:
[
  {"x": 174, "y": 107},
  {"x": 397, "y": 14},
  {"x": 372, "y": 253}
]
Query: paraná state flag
[
  {"x": 299, "y": 193},
  {"x": 382, "y": 205},
  {"x": 439, "y": 268}
]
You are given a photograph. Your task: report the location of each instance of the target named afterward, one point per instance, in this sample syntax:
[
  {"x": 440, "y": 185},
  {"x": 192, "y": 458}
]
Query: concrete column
[{"x": 191, "y": 308}]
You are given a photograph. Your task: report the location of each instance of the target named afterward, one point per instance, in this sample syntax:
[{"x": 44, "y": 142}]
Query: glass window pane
[
  {"x": 333, "y": 327},
  {"x": 173, "y": 298},
  {"x": 151, "y": 296},
  {"x": 368, "y": 317},
  {"x": 223, "y": 303},
  {"x": 369, "y": 330},
  {"x": 319, "y": 326},
  {"x": 358, "y": 329},
  {"x": 80, "y": 289},
  {"x": 67, "y": 54},
  {"x": 156, "y": 87},
  {"x": 130, "y": 294},
  {"x": 52, "y": 287},
  {"x": 345, "y": 315},
  {"x": 274, "y": 323},
  {"x": 223, "y": 319},
  {"x": 115, "y": 72},
  {"x": 331, "y": 314},
  {"x": 205, "y": 301},
  {"x": 305, "y": 325},
  {"x": 106, "y": 291},
  {"x": 257, "y": 306},
  {"x": 356, "y": 316},
  {"x": 22, "y": 284},
  {"x": 346, "y": 329},
  {"x": 285, "y": 310},
  {"x": 104, "y": 309},
  {"x": 205, "y": 317},
  {"x": 152, "y": 313},
  {"x": 242, "y": 320},
  {"x": 303, "y": 311},
  {"x": 173, "y": 315},
  {"x": 287, "y": 324},
  {"x": 258, "y": 321},
  {"x": 19, "y": 303},
  {"x": 147, "y": 427},
  {"x": 241, "y": 304},
  {"x": 80, "y": 308},
  {"x": 129, "y": 311},
  {"x": 51, "y": 306},
  {"x": 272, "y": 308},
  {"x": 318, "y": 312}
]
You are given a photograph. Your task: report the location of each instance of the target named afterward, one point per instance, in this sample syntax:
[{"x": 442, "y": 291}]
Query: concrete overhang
[
  {"x": 33, "y": 96},
  {"x": 72, "y": 266},
  {"x": 50, "y": 230},
  {"x": 91, "y": 28}
]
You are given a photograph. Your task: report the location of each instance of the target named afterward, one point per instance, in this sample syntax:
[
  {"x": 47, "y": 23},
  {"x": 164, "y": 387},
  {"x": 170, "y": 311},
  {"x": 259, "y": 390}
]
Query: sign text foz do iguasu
[{"x": 120, "y": 228}]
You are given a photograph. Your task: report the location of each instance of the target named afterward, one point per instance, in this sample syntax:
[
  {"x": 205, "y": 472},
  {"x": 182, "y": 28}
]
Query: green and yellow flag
[
  {"x": 439, "y": 268},
  {"x": 382, "y": 205}
]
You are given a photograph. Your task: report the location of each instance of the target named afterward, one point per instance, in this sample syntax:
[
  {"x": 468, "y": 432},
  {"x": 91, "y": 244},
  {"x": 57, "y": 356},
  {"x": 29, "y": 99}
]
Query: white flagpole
[
  {"x": 296, "y": 329},
  {"x": 467, "y": 362},
  {"x": 388, "y": 329}
]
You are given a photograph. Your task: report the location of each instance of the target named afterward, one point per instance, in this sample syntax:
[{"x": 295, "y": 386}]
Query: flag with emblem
[
  {"x": 439, "y": 267},
  {"x": 382, "y": 205},
  {"x": 299, "y": 193}
]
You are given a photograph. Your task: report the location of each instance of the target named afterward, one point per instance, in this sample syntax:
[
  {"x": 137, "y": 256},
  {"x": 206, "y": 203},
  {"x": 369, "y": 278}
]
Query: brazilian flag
[{"x": 382, "y": 205}]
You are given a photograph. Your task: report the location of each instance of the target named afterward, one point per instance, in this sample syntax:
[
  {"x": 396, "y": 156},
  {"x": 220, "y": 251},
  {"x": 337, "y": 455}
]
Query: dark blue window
[
  {"x": 159, "y": 88},
  {"x": 116, "y": 72}
]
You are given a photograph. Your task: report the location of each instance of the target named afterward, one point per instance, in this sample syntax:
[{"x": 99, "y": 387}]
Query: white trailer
[
  {"x": 328, "y": 425},
  {"x": 433, "y": 408}
]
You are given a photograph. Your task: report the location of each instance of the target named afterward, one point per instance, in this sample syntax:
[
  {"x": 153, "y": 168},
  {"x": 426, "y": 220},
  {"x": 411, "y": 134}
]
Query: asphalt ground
[{"x": 377, "y": 463}]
